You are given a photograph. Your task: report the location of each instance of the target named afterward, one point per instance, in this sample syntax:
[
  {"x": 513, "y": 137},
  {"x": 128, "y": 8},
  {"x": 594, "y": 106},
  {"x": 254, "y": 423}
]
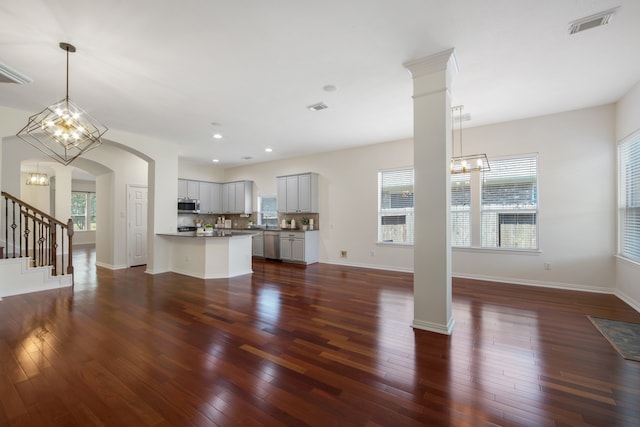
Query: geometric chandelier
[
  {"x": 469, "y": 162},
  {"x": 63, "y": 131}
]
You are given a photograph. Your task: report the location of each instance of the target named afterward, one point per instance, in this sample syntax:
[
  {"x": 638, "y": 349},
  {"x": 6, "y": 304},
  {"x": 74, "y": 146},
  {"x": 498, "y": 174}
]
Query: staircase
[{"x": 37, "y": 252}]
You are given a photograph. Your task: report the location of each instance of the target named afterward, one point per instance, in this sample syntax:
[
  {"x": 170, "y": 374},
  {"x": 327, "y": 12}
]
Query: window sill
[
  {"x": 395, "y": 244},
  {"x": 629, "y": 260},
  {"x": 497, "y": 250}
]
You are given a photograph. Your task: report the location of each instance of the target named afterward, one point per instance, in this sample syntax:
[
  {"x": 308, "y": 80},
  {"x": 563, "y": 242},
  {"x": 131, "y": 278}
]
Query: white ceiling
[{"x": 168, "y": 69}]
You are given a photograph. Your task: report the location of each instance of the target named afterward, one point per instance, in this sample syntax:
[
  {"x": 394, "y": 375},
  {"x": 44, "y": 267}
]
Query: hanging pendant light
[
  {"x": 63, "y": 131},
  {"x": 464, "y": 163},
  {"x": 37, "y": 178}
]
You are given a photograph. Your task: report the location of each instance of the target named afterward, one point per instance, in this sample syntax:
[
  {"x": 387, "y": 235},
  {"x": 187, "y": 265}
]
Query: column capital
[{"x": 442, "y": 61}]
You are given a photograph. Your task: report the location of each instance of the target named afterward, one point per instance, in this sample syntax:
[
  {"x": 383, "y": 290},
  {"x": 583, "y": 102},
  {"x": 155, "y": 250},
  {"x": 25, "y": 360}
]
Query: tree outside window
[{"x": 83, "y": 211}]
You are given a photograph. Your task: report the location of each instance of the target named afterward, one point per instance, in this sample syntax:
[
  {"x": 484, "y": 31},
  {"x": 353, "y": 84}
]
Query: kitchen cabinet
[
  {"x": 188, "y": 189},
  {"x": 215, "y": 193},
  {"x": 237, "y": 197},
  {"x": 258, "y": 245},
  {"x": 210, "y": 198},
  {"x": 298, "y": 193},
  {"x": 300, "y": 246}
]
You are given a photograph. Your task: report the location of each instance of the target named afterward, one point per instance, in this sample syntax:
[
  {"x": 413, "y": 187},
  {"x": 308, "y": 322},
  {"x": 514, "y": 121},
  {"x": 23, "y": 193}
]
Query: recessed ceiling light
[
  {"x": 268, "y": 150},
  {"x": 217, "y": 135},
  {"x": 215, "y": 160},
  {"x": 246, "y": 158},
  {"x": 329, "y": 88}
]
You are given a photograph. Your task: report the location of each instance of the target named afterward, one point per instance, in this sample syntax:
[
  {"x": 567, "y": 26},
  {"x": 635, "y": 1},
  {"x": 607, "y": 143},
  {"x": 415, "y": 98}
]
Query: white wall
[
  {"x": 36, "y": 195},
  {"x": 348, "y": 199},
  {"x": 160, "y": 172},
  {"x": 628, "y": 122},
  {"x": 576, "y": 181},
  {"x": 576, "y": 178},
  {"x": 199, "y": 172},
  {"x": 111, "y": 202}
]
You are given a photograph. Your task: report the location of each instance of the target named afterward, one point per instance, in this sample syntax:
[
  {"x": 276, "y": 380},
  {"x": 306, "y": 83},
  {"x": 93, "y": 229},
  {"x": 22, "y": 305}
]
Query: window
[
  {"x": 83, "y": 211},
  {"x": 268, "y": 211},
  {"x": 395, "y": 206},
  {"x": 629, "y": 198},
  {"x": 461, "y": 210},
  {"x": 509, "y": 204}
]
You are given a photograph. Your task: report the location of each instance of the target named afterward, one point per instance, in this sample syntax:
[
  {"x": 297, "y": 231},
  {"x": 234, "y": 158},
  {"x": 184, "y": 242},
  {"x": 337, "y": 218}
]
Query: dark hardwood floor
[{"x": 320, "y": 345}]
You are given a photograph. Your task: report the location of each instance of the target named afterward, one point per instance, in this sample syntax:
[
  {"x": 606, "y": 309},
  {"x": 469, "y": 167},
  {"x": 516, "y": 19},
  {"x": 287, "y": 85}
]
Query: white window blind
[
  {"x": 461, "y": 209},
  {"x": 629, "y": 198},
  {"x": 395, "y": 206},
  {"x": 509, "y": 204}
]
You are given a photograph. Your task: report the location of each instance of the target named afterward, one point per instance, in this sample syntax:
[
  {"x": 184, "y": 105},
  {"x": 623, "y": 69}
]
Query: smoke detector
[
  {"x": 591, "y": 21},
  {"x": 9, "y": 75},
  {"x": 317, "y": 107}
]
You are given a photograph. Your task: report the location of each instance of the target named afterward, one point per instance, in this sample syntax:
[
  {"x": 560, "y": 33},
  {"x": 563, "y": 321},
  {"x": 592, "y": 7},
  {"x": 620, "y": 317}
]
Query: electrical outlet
[
  {"x": 343, "y": 254},
  {"x": 373, "y": 253},
  {"x": 547, "y": 266}
]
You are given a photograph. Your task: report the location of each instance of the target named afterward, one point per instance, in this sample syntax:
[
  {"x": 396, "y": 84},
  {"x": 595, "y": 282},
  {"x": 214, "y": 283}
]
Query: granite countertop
[{"x": 219, "y": 232}]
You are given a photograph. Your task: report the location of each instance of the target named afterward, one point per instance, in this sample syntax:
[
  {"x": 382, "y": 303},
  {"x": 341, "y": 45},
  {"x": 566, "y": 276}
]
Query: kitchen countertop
[{"x": 219, "y": 232}]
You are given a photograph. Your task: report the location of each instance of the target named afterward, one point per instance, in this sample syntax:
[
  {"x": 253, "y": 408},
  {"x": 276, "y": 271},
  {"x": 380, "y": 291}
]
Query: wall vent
[
  {"x": 591, "y": 21},
  {"x": 9, "y": 75},
  {"x": 317, "y": 107}
]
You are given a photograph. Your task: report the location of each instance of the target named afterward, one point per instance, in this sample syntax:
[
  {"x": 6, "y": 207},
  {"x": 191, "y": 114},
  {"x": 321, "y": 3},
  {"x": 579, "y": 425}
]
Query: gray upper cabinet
[
  {"x": 215, "y": 191},
  {"x": 210, "y": 197},
  {"x": 215, "y": 198},
  {"x": 237, "y": 197},
  {"x": 205, "y": 197},
  {"x": 298, "y": 193},
  {"x": 188, "y": 189}
]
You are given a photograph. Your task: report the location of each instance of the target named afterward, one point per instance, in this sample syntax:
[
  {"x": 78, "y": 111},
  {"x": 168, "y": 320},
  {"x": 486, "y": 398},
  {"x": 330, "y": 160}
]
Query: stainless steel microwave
[{"x": 188, "y": 206}]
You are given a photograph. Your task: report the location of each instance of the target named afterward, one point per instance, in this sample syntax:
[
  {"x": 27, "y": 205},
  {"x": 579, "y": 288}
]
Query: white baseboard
[
  {"x": 110, "y": 266},
  {"x": 626, "y": 298},
  {"x": 372, "y": 266},
  {"x": 435, "y": 327},
  {"x": 541, "y": 284}
]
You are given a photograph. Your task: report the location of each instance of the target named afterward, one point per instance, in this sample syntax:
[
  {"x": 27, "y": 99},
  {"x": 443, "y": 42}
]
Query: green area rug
[{"x": 623, "y": 336}]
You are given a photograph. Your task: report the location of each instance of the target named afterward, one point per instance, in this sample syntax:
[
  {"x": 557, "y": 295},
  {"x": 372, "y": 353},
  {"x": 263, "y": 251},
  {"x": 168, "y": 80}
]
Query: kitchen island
[{"x": 222, "y": 254}]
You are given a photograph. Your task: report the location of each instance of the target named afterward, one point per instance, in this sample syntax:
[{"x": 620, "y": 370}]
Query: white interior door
[{"x": 137, "y": 225}]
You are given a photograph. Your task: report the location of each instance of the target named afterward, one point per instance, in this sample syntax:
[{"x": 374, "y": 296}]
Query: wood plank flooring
[{"x": 320, "y": 345}]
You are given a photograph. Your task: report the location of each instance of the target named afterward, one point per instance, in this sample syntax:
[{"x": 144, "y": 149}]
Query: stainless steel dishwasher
[{"x": 272, "y": 244}]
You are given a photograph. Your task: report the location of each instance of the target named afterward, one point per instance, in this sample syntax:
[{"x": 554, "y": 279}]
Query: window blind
[
  {"x": 395, "y": 206},
  {"x": 461, "y": 209},
  {"x": 509, "y": 204},
  {"x": 629, "y": 184}
]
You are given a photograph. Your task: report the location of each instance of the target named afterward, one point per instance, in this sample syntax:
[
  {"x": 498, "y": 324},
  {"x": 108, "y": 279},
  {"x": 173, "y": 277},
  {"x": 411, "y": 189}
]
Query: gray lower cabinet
[
  {"x": 258, "y": 245},
  {"x": 300, "y": 246}
]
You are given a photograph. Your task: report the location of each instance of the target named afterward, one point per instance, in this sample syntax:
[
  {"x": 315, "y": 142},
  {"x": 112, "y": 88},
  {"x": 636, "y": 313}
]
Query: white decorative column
[{"x": 432, "y": 154}]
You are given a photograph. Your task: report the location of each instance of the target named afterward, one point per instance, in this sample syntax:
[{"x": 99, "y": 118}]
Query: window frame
[
  {"x": 624, "y": 175},
  {"x": 88, "y": 211},
  {"x": 407, "y": 212},
  {"x": 526, "y": 211},
  {"x": 460, "y": 209}
]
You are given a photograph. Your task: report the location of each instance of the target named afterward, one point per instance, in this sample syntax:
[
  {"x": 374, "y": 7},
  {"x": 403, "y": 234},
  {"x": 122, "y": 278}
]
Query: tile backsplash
[{"x": 243, "y": 221}]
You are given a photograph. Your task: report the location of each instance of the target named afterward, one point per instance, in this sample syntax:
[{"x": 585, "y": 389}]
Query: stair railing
[{"x": 29, "y": 232}]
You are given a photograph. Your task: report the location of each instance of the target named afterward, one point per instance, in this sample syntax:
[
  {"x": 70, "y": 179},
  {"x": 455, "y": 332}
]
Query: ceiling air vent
[
  {"x": 591, "y": 21},
  {"x": 9, "y": 75},
  {"x": 317, "y": 107}
]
